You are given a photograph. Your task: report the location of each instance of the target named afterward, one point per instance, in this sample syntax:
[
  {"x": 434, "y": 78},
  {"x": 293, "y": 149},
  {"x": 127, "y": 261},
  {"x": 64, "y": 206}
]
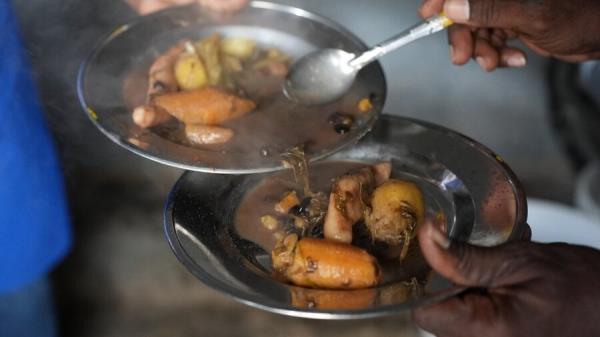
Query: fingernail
[
  {"x": 482, "y": 62},
  {"x": 439, "y": 238},
  {"x": 452, "y": 58},
  {"x": 516, "y": 61},
  {"x": 457, "y": 10}
]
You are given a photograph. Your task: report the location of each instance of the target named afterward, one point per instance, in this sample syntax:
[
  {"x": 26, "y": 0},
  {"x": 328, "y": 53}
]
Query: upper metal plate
[{"x": 113, "y": 80}]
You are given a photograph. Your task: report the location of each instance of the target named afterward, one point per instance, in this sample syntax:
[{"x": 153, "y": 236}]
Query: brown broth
[{"x": 261, "y": 199}]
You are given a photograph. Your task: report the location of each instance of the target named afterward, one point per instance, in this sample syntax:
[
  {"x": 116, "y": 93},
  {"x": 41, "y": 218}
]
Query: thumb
[
  {"x": 487, "y": 13},
  {"x": 473, "y": 266}
]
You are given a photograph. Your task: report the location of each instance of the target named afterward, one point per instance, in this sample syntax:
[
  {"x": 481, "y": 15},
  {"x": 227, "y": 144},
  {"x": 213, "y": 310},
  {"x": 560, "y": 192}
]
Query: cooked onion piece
[{"x": 325, "y": 264}]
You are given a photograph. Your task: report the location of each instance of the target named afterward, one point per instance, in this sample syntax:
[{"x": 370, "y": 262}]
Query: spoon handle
[{"x": 430, "y": 26}]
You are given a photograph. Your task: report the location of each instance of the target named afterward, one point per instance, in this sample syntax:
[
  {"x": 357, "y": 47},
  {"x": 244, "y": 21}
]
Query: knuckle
[
  {"x": 541, "y": 24},
  {"x": 486, "y": 12}
]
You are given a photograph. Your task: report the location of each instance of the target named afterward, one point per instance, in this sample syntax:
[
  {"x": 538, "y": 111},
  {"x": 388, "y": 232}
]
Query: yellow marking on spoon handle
[{"x": 446, "y": 22}]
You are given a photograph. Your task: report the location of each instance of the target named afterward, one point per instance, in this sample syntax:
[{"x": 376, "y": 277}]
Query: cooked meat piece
[
  {"x": 162, "y": 72},
  {"x": 206, "y": 106},
  {"x": 207, "y": 135},
  {"x": 325, "y": 264},
  {"x": 147, "y": 116},
  {"x": 349, "y": 195}
]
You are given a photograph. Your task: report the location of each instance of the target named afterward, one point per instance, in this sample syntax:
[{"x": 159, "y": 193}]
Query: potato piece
[
  {"x": 207, "y": 135},
  {"x": 209, "y": 50},
  {"x": 147, "y": 116},
  {"x": 288, "y": 201},
  {"x": 190, "y": 72},
  {"x": 325, "y": 264},
  {"x": 238, "y": 47},
  {"x": 397, "y": 208},
  {"x": 206, "y": 106}
]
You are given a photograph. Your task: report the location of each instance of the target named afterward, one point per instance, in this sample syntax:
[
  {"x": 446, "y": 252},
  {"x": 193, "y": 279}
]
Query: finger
[
  {"x": 526, "y": 236},
  {"x": 514, "y": 58},
  {"x": 487, "y": 13},
  {"x": 223, "y": 5},
  {"x": 473, "y": 266},
  {"x": 144, "y": 7},
  {"x": 534, "y": 47},
  {"x": 456, "y": 316},
  {"x": 486, "y": 56},
  {"x": 461, "y": 44},
  {"x": 498, "y": 38},
  {"x": 578, "y": 58},
  {"x": 430, "y": 8}
]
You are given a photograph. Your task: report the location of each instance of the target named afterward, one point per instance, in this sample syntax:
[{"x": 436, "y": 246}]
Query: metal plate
[
  {"x": 479, "y": 196},
  {"x": 113, "y": 80}
]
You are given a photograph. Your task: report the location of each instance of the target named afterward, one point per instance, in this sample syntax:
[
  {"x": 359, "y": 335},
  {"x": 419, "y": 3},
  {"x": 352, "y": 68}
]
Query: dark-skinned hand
[
  {"x": 520, "y": 289},
  {"x": 567, "y": 30}
]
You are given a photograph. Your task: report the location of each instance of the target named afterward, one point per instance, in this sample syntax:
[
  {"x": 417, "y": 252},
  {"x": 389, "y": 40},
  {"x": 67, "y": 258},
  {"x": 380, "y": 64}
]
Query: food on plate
[
  {"x": 207, "y": 135},
  {"x": 210, "y": 51},
  {"x": 207, "y": 106},
  {"x": 190, "y": 72},
  {"x": 238, "y": 47},
  {"x": 397, "y": 207},
  {"x": 161, "y": 77},
  {"x": 325, "y": 264},
  {"x": 348, "y": 200},
  {"x": 335, "y": 230},
  {"x": 205, "y": 84},
  {"x": 365, "y": 105},
  {"x": 147, "y": 116},
  {"x": 333, "y": 300},
  {"x": 289, "y": 201}
]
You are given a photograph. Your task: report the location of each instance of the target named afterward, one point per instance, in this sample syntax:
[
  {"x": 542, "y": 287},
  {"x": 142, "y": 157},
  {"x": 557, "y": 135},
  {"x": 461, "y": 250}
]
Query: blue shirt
[{"x": 34, "y": 218}]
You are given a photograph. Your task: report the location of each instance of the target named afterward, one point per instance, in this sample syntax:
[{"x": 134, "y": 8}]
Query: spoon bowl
[{"x": 320, "y": 77}]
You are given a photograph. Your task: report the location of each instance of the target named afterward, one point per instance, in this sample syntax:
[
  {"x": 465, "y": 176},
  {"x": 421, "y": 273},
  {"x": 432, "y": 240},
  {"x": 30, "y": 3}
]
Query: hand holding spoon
[{"x": 325, "y": 75}]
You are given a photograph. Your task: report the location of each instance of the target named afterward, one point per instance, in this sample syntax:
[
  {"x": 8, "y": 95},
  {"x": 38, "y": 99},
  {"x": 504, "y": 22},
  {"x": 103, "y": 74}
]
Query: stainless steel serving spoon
[{"x": 325, "y": 75}]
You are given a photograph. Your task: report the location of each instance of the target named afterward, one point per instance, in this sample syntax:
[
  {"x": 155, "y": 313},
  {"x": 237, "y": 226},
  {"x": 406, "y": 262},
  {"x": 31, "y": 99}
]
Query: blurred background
[{"x": 121, "y": 278}]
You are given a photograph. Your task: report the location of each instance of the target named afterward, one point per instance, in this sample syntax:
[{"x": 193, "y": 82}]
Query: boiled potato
[
  {"x": 238, "y": 47},
  {"x": 190, "y": 72},
  {"x": 397, "y": 208}
]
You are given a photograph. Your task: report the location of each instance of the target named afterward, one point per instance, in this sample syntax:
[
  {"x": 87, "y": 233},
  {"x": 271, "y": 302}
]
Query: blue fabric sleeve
[{"x": 34, "y": 218}]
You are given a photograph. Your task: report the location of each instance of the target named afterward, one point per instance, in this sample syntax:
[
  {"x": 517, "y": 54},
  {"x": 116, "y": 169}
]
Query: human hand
[
  {"x": 148, "y": 6},
  {"x": 568, "y": 30},
  {"x": 517, "y": 289}
]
